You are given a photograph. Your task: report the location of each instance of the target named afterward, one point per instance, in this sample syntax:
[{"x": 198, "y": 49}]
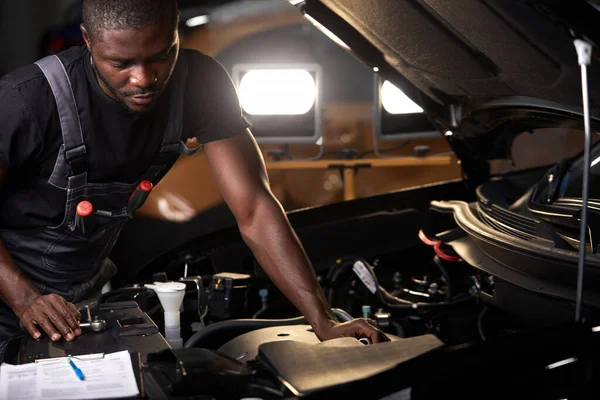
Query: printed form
[{"x": 107, "y": 376}]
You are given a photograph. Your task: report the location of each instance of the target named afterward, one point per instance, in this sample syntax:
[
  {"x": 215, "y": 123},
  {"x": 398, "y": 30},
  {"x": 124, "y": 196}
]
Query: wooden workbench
[{"x": 349, "y": 167}]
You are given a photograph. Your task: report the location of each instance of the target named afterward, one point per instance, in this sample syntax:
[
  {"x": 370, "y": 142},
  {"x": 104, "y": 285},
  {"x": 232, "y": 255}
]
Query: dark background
[{"x": 31, "y": 29}]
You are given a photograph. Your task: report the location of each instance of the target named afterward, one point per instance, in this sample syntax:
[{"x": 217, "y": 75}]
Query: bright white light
[
  {"x": 319, "y": 141},
  {"x": 375, "y": 69},
  {"x": 596, "y": 329},
  {"x": 396, "y": 102},
  {"x": 596, "y": 161},
  {"x": 327, "y": 32},
  {"x": 277, "y": 92},
  {"x": 197, "y": 21},
  {"x": 449, "y": 133},
  {"x": 561, "y": 363}
]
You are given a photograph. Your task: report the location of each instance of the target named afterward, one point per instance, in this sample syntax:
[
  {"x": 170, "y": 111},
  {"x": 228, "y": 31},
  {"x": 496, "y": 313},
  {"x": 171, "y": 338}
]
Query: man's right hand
[
  {"x": 57, "y": 317},
  {"x": 54, "y": 315}
]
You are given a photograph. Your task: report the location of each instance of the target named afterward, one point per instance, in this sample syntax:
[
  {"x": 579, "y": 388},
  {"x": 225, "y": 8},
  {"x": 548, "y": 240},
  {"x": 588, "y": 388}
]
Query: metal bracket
[
  {"x": 342, "y": 168},
  {"x": 584, "y": 55},
  {"x": 347, "y": 174}
]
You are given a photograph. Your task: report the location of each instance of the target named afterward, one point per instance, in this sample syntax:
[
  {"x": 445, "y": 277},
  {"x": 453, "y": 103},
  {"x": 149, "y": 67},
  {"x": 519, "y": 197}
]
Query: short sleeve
[
  {"x": 19, "y": 134},
  {"x": 212, "y": 101}
]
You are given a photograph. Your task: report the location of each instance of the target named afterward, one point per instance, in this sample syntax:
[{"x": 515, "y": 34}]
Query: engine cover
[{"x": 245, "y": 347}]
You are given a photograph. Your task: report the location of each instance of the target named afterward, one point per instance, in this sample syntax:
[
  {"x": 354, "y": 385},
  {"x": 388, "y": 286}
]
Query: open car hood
[{"x": 487, "y": 70}]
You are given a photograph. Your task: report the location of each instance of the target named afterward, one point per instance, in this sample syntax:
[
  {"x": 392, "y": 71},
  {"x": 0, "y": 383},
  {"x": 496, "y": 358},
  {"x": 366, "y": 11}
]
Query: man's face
[{"x": 133, "y": 66}]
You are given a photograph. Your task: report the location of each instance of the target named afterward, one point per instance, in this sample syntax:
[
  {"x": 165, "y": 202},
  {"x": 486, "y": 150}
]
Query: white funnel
[{"x": 171, "y": 295}]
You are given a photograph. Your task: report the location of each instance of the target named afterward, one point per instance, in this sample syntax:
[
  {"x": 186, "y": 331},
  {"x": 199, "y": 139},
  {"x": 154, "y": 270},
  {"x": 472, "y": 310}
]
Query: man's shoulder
[
  {"x": 197, "y": 59},
  {"x": 201, "y": 63},
  {"x": 194, "y": 56},
  {"x": 30, "y": 77},
  {"x": 21, "y": 76},
  {"x": 74, "y": 56},
  {"x": 20, "y": 86}
]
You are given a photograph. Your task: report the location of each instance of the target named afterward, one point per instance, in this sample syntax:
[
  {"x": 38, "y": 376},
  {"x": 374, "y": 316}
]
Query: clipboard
[
  {"x": 95, "y": 356},
  {"x": 96, "y": 376},
  {"x": 136, "y": 363}
]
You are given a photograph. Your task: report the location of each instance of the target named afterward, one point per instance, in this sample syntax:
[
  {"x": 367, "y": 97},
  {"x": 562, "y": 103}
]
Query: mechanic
[{"x": 90, "y": 125}]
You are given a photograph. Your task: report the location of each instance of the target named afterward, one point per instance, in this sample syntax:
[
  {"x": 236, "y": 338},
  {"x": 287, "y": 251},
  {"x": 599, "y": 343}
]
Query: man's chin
[{"x": 137, "y": 108}]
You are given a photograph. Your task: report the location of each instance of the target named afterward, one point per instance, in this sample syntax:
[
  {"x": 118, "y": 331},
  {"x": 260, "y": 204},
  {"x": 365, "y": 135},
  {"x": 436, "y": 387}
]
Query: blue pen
[{"x": 77, "y": 370}]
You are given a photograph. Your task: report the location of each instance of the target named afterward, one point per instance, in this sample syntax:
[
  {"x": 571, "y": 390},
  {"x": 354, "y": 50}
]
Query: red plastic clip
[
  {"x": 139, "y": 196},
  {"x": 84, "y": 216}
]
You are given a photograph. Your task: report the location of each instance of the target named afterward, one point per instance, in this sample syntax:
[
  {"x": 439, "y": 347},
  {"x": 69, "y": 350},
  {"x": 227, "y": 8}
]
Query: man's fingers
[
  {"x": 29, "y": 326},
  {"x": 379, "y": 337},
  {"x": 60, "y": 316},
  {"x": 46, "y": 324},
  {"x": 53, "y": 315},
  {"x": 371, "y": 330},
  {"x": 76, "y": 316},
  {"x": 63, "y": 320},
  {"x": 74, "y": 311},
  {"x": 61, "y": 326},
  {"x": 374, "y": 336},
  {"x": 68, "y": 312}
]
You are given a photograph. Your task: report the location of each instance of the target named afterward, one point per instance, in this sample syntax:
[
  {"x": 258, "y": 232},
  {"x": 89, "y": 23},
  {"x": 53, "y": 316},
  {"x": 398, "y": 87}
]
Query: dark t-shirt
[{"x": 120, "y": 145}]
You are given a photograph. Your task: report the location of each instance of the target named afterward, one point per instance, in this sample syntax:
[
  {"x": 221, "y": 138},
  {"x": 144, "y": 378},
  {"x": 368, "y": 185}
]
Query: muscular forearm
[
  {"x": 242, "y": 178},
  {"x": 276, "y": 247},
  {"x": 16, "y": 290}
]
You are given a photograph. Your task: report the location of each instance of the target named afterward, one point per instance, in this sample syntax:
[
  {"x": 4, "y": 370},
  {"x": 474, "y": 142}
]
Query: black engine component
[
  {"x": 227, "y": 295},
  {"x": 127, "y": 327},
  {"x": 190, "y": 372}
]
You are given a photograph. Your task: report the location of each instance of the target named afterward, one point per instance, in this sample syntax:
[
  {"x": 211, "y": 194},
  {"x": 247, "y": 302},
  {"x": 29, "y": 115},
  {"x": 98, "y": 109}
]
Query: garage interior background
[{"x": 187, "y": 203}]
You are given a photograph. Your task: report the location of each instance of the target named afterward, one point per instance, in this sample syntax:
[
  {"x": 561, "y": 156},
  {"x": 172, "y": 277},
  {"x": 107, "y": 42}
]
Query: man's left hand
[{"x": 357, "y": 328}]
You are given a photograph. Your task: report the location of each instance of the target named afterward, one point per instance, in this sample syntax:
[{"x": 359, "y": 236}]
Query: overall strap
[{"x": 74, "y": 146}]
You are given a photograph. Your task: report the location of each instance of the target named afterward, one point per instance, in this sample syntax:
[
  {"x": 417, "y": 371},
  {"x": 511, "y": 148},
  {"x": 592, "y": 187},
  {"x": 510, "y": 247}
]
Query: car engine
[{"x": 394, "y": 259}]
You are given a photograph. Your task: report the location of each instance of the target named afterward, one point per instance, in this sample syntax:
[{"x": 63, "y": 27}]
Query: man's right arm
[{"x": 50, "y": 313}]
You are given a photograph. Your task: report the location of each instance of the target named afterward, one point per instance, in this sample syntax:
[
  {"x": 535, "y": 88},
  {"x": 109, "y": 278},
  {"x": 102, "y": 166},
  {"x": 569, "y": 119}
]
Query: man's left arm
[{"x": 240, "y": 172}]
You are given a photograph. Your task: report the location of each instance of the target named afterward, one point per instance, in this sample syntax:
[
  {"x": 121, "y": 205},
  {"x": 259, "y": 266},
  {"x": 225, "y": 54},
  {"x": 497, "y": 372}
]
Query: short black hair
[{"x": 126, "y": 14}]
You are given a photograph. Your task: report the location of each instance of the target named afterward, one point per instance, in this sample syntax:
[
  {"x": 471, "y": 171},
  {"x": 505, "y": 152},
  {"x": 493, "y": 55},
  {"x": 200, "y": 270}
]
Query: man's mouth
[{"x": 144, "y": 98}]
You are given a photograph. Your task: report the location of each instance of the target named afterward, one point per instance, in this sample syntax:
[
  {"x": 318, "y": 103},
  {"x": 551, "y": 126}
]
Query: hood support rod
[{"x": 584, "y": 55}]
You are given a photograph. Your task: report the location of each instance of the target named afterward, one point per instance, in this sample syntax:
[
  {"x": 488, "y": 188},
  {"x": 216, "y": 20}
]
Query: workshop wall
[
  {"x": 23, "y": 24},
  {"x": 347, "y": 124}
]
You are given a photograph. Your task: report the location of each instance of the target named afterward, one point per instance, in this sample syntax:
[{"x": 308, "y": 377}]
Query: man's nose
[{"x": 143, "y": 77}]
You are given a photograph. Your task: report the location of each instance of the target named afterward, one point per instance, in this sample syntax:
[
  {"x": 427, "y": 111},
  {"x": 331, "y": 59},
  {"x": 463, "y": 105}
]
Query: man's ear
[{"x": 86, "y": 37}]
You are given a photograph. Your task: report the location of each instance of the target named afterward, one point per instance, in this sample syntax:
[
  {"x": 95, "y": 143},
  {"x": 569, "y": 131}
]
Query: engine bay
[{"x": 393, "y": 259}]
